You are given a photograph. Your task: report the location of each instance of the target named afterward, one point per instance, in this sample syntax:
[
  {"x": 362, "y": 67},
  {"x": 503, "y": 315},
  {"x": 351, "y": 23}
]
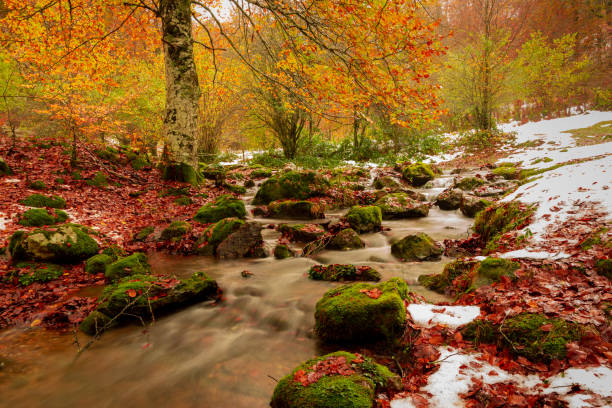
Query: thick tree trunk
[{"x": 182, "y": 88}]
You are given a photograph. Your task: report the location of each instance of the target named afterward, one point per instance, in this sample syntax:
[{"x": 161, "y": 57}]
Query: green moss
[
  {"x": 302, "y": 232},
  {"x": 418, "y": 247},
  {"x": 348, "y": 314},
  {"x": 400, "y": 205},
  {"x": 386, "y": 182},
  {"x": 144, "y": 233},
  {"x": 37, "y": 185},
  {"x": 183, "y": 201},
  {"x": 216, "y": 173},
  {"x": 261, "y": 173},
  {"x": 507, "y": 172},
  {"x": 175, "y": 230},
  {"x": 176, "y": 192},
  {"x": 604, "y": 267},
  {"x": 140, "y": 298},
  {"x": 99, "y": 180},
  {"x": 38, "y": 217},
  {"x": 69, "y": 243},
  {"x": 135, "y": 264},
  {"x": 282, "y": 252},
  {"x": 365, "y": 219},
  {"x": 182, "y": 172},
  {"x": 337, "y": 273},
  {"x": 5, "y": 169},
  {"x": 224, "y": 207},
  {"x": 140, "y": 162},
  {"x": 28, "y": 273},
  {"x": 469, "y": 183},
  {"x": 109, "y": 154},
  {"x": 492, "y": 269},
  {"x": 114, "y": 251},
  {"x": 215, "y": 234},
  {"x": 533, "y": 336},
  {"x": 295, "y": 185},
  {"x": 497, "y": 220},
  {"x": 442, "y": 281},
  {"x": 471, "y": 205},
  {"x": 363, "y": 379},
  {"x": 296, "y": 209},
  {"x": 594, "y": 239},
  {"x": 418, "y": 174},
  {"x": 346, "y": 240},
  {"x": 97, "y": 263},
  {"x": 60, "y": 180},
  {"x": 235, "y": 188},
  {"x": 40, "y": 201}
]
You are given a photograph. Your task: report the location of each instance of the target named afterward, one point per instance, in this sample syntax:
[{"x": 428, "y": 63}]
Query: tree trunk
[{"x": 182, "y": 88}]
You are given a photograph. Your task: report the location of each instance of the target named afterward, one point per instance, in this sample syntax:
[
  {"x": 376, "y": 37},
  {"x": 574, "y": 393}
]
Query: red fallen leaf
[
  {"x": 546, "y": 327},
  {"x": 373, "y": 293},
  {"x": 436, "y": 340},
  {"x": 131, "y": 293},
  {"x": 458, "y": 336},
  {"x": 517, "y": 400}
]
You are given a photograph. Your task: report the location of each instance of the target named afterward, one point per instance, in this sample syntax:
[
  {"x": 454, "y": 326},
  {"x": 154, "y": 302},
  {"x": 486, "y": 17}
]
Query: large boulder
[
  {"x": 224, "y": 207},
  {"x": 135, "y": 264},
  {"x": 450, "y": 199},
  {"x": 296, "y": 185},
  {"x": 215, "y": 234},
  {"x": 302, "y": 232},
  {"x": 471, "y": 205},
  {"x": 141, "y": 298},
  {"x": 69, "y": 243},
  {"x": 418, "y": 247},
  {"x": 244, "y": 241},
  {"x": 364, "y": 219},
  {"x": 338, "y": 380},
  {"x": 98, "y": 263},
  {"x": 295, "y": 209},
  {"x": 400, "y": 205},
  {"x": 346, "y": 240},
  {"x": 338, "y": 273},
  {"x": 418, "y": 174},
  {"x": 362, "y": 313}
]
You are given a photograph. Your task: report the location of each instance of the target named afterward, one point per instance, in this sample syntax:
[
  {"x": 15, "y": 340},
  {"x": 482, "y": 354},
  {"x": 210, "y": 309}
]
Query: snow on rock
[
  {"x": 451, "y": 316},
  {"x": 526, "y": 254},
  {"x": 560, "y": 193}
]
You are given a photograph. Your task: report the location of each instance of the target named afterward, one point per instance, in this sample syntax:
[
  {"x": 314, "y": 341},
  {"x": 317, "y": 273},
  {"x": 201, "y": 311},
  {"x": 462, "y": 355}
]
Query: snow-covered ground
[{"x": 452, "y": 316}]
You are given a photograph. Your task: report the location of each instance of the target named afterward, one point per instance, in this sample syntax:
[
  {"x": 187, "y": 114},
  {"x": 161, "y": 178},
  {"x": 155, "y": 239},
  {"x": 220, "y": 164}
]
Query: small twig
[{"x": 269, "y": 376}]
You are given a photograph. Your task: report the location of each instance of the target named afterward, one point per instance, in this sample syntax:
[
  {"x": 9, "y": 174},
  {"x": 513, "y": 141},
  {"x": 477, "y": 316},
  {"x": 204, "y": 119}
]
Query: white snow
[
  {"x": 3, "y": 221},
  {"x": 458, "y": 371},
  {"x": 526, "y": 254},
  {"x": 12, "y": 180},
  {"x": 451, "y": 316}
]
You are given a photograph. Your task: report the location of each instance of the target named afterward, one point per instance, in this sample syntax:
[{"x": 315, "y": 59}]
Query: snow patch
[
  {"x": 3, "y": 221},
  {"x": 12, "y": 180},
  {"x": 451, "y": 316},
  {"x": 527, "y": 254},
  {"x": 402, "y": 403}
]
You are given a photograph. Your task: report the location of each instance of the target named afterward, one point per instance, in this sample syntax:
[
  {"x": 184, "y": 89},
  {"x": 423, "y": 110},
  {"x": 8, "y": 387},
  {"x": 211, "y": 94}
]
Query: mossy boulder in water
[
  {"x": 469, "y": 183},
  {"x": 215, "y": 234},
  {"x": 533, "y": 336},
  {"x": 283, "y": 252},
  {"x": 5, "y": 169},
  {"x": 497, "y": 220},
  {"x": 418, "y": 247},
  {"x": 418, "y": 174},
  {"x": 41, "y": 201},
  {"x": 362, "y": 313},
  {"x": 293, "y": 184},
  {"x": 364, "y": 219},
  {"x": 450, "y": 199},
  {"x": 245, "y": 241},
  {"x": 135, "y": 264},
  {"x": 337, "y": 273},
  {"x": 97, "y": 263},
  {"x": 471, "y": 205},
  {"x": 302, "y": 232},
  {"x": 383, "y": 182},
  {"x": 69, "y": 243},
  {"x": 338, "y": 380},
  {"x": 38, "y": 217},
  {"x": 400, "y": 205},
  {"x": 224, "y": 207},
  {"x": 295, "y": 209},
  {"x": 442, "y": 282},
  {"x": 346, "y": 240},
  {"x": 175, "y": 230},
  {"x": 139, "y": 298}
]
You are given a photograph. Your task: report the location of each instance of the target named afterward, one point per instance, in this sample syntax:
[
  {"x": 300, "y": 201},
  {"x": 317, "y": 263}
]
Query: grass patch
[{"x": 598, "y": 133}]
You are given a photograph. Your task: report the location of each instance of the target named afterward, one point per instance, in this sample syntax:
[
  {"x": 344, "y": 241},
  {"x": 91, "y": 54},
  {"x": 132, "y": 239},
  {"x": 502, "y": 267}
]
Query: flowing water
[{"x": 227, "y": 355}]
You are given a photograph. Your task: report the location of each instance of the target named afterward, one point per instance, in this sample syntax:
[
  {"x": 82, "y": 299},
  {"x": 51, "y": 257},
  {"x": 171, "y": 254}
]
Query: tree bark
[{"x": 182, "y": 87}]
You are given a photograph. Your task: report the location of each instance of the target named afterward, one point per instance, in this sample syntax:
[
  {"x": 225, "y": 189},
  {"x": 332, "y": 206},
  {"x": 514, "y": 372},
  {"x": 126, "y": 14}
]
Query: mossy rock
[
  {"x": 354, "y": 384},
  {"x": 69, "y": 243},
  {"x": 450, "y": 199},
  {"x": 364, "y": 219},
  {"x": 492, "y": 269},
  {"x": 140, "y": 162},
  {"x": 533, "y": 336},
  {"x": 469, "y": 183},
  {"x": 182, "y": 172},
  {"x": 497, "y": 220},
  {"x": 604, "y": 267},
  {"x": 362, "y": 313},
  {"x": 183, "y": 201},
  {"x": 418, "y": 174},
  {"x": 215, "y": 234},
  {"x": 176, "y": 192},
  {"x": 292, "y": 185},
  {"x": 383, "y": 182},
  {"x": 508, "y": 172},
  {"x": 175, "y": 230},
  {"x": 224, "y": 207},
  {"x": 235, "y": 188},
  {"x": 261, "y": 173},
  {"x": 99, "y": 180},
  {"x": 97, "y": 263},
  {"x": 418, "y": 247},
  {"x": 283, "y": 252},
  {"x": 37, "y": 185},
  {"x": 141, "y": 298},
  {"x": 41, "y": 201},
  {"x": 144, "y": 233},
  {"x": 135, "y": 264},
  {"x": 442, "y": 282},
  {"x": 346, "y": 240},
  {"x": 296, "y": 209},
  {"x": 114, "y": 251},
  {"x": 471, "y": 205},
  {"x": 302, "y": 232},
  {"x": 5, "y": 169},
  {"x": 215, "y": 173},
  {"x": 38, "y": 217},
  {"x": 28, "y": 273},
  {"x": 400, "y": 205},
  {"x": 340, "y": 273}
]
